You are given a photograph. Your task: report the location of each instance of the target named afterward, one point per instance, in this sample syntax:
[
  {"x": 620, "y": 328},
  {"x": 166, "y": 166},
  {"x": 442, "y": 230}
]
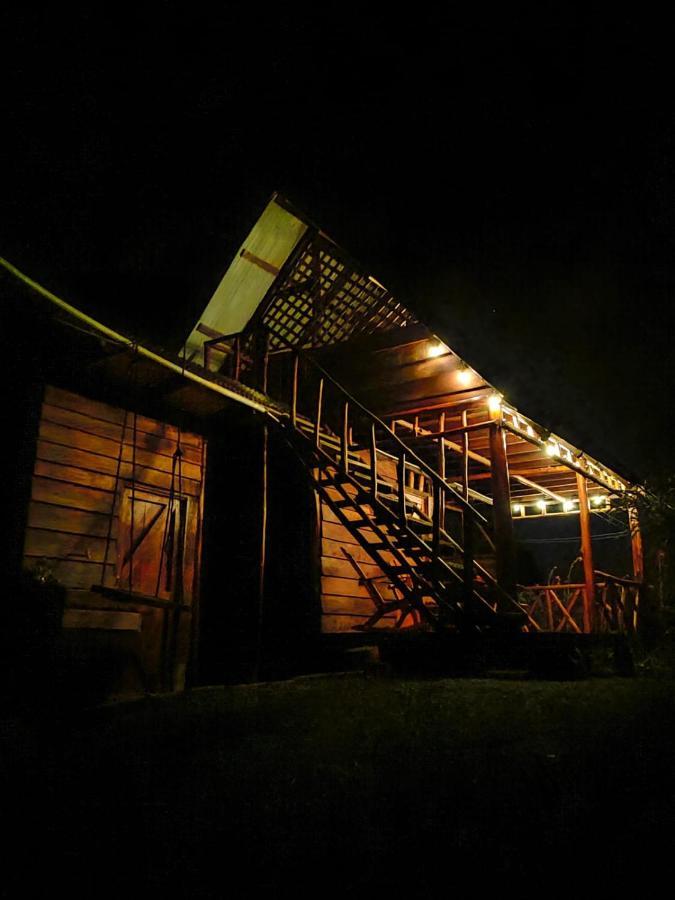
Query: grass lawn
[{"x": 349, "y": 784}]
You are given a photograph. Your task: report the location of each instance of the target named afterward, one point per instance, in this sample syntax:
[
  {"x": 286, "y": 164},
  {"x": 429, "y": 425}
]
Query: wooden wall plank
[
  {"x": 82, "y": 467},
  {"x": 146, "y": 454},
  {"x": 94, "y": 427},
  {"x": 55, "y": 544},
  {"x": 100, "y": 619},
  {"x": 334, "y": 604},
  {"x": 75, "y": 496},
  {"x": 342, "y": 568},
  {"x": 77, "y": 574},
  {"x": 334, "y": 624},
  {"x": 96, "y": 410},
  {"x": 73, "y": 521}
]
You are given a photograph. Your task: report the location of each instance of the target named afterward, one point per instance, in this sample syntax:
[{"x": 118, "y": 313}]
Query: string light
[
  {"x": 542, "y": 505},
  {"x": 568, "y": 505},
  {"x": 464, "y": 374},
  {"x": 552, "y": 449},
  {"x": 598, "y": 500},
  {"x": 436, "y": 349},
  {"x": 517, "y": 508},
  {"x": 494, "y": 403}
]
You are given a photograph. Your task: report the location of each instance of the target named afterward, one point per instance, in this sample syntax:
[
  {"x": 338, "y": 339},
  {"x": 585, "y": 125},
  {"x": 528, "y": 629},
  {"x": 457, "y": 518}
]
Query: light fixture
[
  {"x": 517, "y": 508},
  {"x": 542, "y": 505},
  {"x": 568, "y": 505},
  {"x": 437, "y": 349},
  {"x": 464, "y": 374},
  {"x": 552, "y": 449},
  {"x": 597, "y": 500},
  {"x": 494, "y": 403}
]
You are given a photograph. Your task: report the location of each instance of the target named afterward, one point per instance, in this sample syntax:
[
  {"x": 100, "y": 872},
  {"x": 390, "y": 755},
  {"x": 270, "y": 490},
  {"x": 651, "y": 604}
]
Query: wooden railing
[
  {"x": 558, "y": 607},
  {"x": 333, "y": 415}
]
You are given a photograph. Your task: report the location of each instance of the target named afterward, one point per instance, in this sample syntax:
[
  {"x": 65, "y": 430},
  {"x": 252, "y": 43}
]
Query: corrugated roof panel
[{"x": 249, "y": 276}]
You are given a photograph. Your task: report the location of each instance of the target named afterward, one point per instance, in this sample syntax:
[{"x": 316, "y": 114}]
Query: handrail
[
  {"x": 629, "y": 582},
  {"x": 424, "y": 467}
]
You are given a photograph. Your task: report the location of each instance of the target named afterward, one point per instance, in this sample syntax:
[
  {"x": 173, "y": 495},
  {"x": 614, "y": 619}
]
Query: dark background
[{"x": 510, "y": 179}]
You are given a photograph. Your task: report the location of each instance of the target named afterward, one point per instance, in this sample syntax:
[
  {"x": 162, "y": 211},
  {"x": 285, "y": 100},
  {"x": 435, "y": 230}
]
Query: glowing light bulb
[
  {"x": 597, "y": 500},
  {"x": 568, "y": 505},
  {"x": 517, "y": 508},
  {"x": 464, "y": 375},
  {"x": 552, "y": 449},
  {"x": 541, "y": 505},
  {"x": 530, "y": 431},
  {"x": 494, "y": 403},
  {"x": 436, "y": 349}
]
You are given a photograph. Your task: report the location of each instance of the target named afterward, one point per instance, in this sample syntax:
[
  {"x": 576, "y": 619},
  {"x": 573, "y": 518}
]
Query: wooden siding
[
  {"x": 90, "y": 459},
  {"x": 344, "y": 602}
]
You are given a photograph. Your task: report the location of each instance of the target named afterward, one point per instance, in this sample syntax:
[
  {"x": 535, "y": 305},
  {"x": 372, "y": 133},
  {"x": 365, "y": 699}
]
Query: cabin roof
[{"x": 318, "y": 298}]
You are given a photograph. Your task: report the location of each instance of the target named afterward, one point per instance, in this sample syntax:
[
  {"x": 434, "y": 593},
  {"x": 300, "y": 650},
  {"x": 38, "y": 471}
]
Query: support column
[
  {"x": 262, "y": 561},
  {"x": 636, "y": 544},
  {"x": 586, "y": 554},
  {"x": 631, "y": 612},
  {"x": 505, "y": 545}
]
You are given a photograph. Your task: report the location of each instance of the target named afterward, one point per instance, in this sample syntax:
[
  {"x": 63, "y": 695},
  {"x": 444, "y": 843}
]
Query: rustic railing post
[
  {"x": 638, "y": 568},
  {"x": 344, "y": 438},
  {"x": 294, "y": 390},
  {"x": 586, "y": 554},
  {"x": 402, "y": 514},
  {"x": 237, "y": 357},
  {"x": 373, "y": 464},
  {"x": 468, "y": 557},
  {"x": 436, "y": 534},
  {"x": 636, "y": 544},
  {"x": 319, "y": 411},
  {"x": 505, "y": 549}
]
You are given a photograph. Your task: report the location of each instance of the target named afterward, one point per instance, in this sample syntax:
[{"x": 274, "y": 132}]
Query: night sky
[{"x": 512, "y": 181}]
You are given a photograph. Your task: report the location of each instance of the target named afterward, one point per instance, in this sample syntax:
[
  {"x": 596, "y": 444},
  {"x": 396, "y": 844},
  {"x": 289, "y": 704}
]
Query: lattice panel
[{"x": 323, "y": 301}]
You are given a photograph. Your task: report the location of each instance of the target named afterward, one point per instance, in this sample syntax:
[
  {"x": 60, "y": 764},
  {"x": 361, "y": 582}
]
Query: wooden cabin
[
  {"x": 424, "y": 474},
  {"x": 361, "y": 477}
]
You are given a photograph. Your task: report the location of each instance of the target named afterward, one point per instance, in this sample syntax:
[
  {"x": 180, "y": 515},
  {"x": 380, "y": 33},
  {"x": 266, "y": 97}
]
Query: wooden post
[
  {"x": 373, "y": 464},
  {"x": 294, "y": 390},
  {"x": 237, "y": 357},
  {"x": 438, "y": 495},
  {"x": 467, "y": 521},
  {"x": 441, "y": 469},
  {"x": 465, "y": 458},
  {"x": 631, "y": 609},
  {"x": 636, "y": 544},
  {"x": 586, "y": 554},
  {"x": 505, "y": 546},
  {"x": 319, "y": 408},
  {"x": 401, "y": 492},
  {"x": 263, "y": 555},
  {"x": 344, "y": 438}
]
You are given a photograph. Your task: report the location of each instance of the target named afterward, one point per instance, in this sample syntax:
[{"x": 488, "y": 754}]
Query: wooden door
[{"x": 151, "y": 554}]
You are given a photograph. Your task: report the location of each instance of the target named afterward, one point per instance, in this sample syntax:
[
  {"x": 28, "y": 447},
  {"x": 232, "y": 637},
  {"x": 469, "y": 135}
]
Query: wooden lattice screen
[{"x": 321, "y": 299}]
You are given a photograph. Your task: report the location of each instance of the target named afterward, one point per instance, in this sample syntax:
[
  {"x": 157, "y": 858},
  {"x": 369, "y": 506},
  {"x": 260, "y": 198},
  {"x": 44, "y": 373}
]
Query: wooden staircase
[{"x": 436, "y": 578}]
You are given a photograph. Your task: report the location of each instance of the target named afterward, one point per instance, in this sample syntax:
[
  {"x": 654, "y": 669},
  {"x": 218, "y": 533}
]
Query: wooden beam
[
  {"x": 636, "y": 544},
  {"x": 586, "y": 553},
  {"x": 441, "y": 469},
  {"x": 505, "y": 547}
]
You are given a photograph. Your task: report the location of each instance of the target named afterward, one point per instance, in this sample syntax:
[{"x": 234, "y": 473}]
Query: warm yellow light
[
  {"x": 552, "y": 449},
  {"x": 598, "y": 500},
  {"x": 517, "y": 507},
  {"x": 464, "y": 375},
  {"x": 568, "y": 505},
  {"x": 436, "y": 349},
  {"x": 542, "y": 505},
  {"x": 494, "y": 403},
  {"x": 530, "y": 431}
]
